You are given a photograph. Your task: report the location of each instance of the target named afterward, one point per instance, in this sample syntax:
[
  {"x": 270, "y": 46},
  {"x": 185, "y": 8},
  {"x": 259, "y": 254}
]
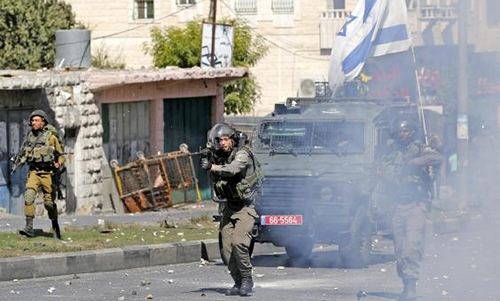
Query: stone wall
[{"x": 77, "y": 114}]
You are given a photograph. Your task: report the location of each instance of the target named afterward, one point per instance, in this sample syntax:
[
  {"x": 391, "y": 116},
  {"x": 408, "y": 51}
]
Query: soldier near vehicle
[
  {"x": 236, "y": 178},
  {"x": 406, "y": 181},
  {"x": 42, "y": 152}
]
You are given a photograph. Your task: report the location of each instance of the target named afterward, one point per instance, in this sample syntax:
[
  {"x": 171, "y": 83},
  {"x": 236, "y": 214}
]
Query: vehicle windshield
[{"x": 339, "y": 137}]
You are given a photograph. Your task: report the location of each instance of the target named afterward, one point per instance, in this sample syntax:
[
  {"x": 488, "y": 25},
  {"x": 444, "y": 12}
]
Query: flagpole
[
  {"x": 420, "y": 103},
  {"x": 421, "y": 114}
]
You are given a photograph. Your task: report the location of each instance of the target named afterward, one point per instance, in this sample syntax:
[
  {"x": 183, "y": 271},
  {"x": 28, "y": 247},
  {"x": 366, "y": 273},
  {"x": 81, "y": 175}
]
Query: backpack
[{"x": 54, "y": 131}]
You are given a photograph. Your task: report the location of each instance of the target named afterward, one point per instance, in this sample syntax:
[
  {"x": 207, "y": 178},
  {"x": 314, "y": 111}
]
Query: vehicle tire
[
  {"x": 355, "y": 251},
  {"x": 299, "y": 248},
  {"x": 226, "y": 260}
]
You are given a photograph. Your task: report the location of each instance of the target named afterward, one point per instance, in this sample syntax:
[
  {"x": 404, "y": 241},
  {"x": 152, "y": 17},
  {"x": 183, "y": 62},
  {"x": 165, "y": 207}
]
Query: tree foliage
[
  {"x": 27, "y": 32},
  {"x": 173, "y": 46}
]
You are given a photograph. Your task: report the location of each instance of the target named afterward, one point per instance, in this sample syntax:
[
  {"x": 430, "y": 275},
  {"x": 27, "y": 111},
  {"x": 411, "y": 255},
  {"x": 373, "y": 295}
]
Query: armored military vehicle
[{"x": 318, "y": 156}]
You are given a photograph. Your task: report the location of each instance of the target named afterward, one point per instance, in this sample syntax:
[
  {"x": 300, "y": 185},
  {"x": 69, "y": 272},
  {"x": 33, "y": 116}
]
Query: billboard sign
[{"x": 224, "y": 41}]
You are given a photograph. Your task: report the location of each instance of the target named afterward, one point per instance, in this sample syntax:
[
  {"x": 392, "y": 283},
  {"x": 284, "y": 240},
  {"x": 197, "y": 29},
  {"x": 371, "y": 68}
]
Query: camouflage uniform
[
  {"x": 238, "y": 217},
  {"x": 234, "y": 178},
  {"x": 407, "y": 183},
  {"x": 40, "y": 151}
]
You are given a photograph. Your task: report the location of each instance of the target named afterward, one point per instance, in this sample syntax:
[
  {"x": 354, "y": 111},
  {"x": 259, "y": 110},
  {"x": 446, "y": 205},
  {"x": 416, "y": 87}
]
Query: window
[
  {"x": 322, "y": 136},
  {"x": 144, "y": 9},
  {"x": 336, "y": 4},
  {"x": 246, "y": 6},
  {"x": 282, "y": 6},
  {"x": 185, "y": 2}
]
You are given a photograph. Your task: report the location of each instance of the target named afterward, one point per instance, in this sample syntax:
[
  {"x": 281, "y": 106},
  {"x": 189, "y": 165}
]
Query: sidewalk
[
  {"x": 141, "y": 256},
  {"x": 12, "y": 223}
]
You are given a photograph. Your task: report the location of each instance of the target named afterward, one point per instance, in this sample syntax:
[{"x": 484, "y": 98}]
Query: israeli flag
[{"x": 375, "y": 28}]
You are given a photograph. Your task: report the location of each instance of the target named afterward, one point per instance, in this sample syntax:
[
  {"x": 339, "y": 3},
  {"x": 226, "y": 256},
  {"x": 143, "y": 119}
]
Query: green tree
[
  {"x": 27, "y": 32},
  {"x": 173, "y": 46}
]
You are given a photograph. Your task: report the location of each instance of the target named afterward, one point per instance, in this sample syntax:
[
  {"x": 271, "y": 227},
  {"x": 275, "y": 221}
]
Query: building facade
[
  {"x": 299, "y": 35},
  {"x": 104, "y": 116}
]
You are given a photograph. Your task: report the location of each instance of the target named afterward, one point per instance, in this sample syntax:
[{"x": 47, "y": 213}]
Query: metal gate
[
  {"x": 157, "y": 182},
  {"x": 187, "y": 120},
  {"x": 14, "y": 126}
]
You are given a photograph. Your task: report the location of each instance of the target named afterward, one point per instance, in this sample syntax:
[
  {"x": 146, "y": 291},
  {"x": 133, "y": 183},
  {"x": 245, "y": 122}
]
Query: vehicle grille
[{"x": 285, "y": 192}]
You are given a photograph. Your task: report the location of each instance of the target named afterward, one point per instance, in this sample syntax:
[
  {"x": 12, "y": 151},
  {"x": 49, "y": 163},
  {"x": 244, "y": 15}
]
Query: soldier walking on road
[
  {"x": 405, "y": 174},
  {"x": 43, "y": 153},
  {"x": 236, "y": 177}
]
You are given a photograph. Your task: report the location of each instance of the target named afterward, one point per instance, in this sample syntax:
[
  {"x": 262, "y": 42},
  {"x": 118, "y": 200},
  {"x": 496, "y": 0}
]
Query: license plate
[{"x": 291, "y": 220}]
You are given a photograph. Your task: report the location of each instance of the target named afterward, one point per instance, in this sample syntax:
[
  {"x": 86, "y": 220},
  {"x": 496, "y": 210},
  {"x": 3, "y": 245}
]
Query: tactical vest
[
  {"x": 406, "y": 182},
  {"x": 37, "y": 149},
  {"x": 244, "y": 189}
]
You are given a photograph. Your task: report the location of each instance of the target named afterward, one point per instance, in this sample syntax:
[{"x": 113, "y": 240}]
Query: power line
[
  {"x": 140, "y": 25},
  {"x": 146, "y": 24},
  {"x": 235, "y": 14},
  {"x": 294, "y": 53}
]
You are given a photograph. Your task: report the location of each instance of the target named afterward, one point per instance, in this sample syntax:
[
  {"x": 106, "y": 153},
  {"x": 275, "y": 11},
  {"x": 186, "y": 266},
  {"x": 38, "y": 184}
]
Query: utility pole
[
  {"x": 214, "y": 19},
  {"x": 462, "y": 108}
]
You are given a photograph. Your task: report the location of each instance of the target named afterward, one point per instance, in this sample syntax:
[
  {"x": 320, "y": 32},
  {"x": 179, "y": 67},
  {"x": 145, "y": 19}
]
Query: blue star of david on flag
[{"x": 375, "y": 28}]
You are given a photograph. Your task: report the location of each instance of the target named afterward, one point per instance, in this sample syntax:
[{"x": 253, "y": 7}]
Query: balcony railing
[
  {"x": 330, "y": 23},
  {"x": 437, "y": 13},
  {"x": 246, "y": 6},
  {"x": 283, "y": 6}
]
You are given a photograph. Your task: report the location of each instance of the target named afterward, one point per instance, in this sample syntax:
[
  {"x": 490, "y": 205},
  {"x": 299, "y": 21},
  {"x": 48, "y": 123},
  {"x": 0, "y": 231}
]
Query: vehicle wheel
[
  {"x": 355, "y": 251},
  {"x": 299, "y": 248},
  {"x": 226, "y": 260}
]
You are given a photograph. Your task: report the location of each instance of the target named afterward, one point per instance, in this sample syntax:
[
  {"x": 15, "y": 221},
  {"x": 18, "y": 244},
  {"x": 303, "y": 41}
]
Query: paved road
[{"x": 458, "y": 267}]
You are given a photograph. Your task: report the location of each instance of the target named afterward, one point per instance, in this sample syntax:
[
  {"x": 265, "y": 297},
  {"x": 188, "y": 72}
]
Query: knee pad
[{"x": 29, "y": 196}]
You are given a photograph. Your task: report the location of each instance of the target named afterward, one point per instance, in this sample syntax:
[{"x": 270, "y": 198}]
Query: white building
[{"x": 299, "y": 33}]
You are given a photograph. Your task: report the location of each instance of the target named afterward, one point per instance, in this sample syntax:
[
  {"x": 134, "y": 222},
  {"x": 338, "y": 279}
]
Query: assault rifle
[
  {"x": 206, "y": 153},
  {"x": 17, "y": 161},
  {"x": 56, "y": 181}
]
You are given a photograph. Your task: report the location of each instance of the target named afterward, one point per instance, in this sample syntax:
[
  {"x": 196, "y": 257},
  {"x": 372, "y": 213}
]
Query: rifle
[
  {"x": 56, "y": 181},
  {"x": 206, "y": 153},
  {"x": 17, "y": 161}
]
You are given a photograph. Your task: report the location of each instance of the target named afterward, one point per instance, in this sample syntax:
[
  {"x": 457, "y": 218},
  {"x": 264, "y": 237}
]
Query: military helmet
[
  {"x": 403, "y": 128},
  {"x": 41, "y": 114},
  {"x": 219, "y": 130}
]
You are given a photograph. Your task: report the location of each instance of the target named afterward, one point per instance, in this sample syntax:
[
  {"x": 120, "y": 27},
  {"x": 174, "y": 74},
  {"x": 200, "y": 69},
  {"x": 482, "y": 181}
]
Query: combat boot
[
  {"x": 28, "y": 230},
  {"x": 246, "y": 286},
  {"x": 235, "y": 290},
  {"x": 409, "y": 291},
  {"x": 56, "y": 231}
]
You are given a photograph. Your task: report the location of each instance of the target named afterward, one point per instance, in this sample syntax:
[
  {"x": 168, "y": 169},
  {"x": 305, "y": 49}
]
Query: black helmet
[
  {"x": 41, "y": 114},
  {"x": 219, "y": 130},
  {"x": 404, "y": 128}
]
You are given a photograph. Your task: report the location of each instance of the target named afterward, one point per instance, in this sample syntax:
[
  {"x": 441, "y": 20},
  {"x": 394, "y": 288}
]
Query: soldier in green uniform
[
  {"x": 236, "y": 178},
  {"x": 43, "y": 153},
  {"x": 405, "y": 179}
]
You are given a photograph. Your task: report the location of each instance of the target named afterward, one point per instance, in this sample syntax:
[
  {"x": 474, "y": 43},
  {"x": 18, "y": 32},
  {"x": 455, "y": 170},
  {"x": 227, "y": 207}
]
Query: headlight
[{"x": 326, "y": 194}]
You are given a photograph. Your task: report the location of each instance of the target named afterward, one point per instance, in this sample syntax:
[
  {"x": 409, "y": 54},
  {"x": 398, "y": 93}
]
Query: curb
[
  {"x": 104, "y": 260},
  {"x": 150, "y": 255},
  {"x": 114, "y": 259}
]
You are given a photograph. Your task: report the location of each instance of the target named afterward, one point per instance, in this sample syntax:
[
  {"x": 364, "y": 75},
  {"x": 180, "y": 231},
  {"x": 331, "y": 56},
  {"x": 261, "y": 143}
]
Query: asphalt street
[{"x": 458, "y": 267}]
